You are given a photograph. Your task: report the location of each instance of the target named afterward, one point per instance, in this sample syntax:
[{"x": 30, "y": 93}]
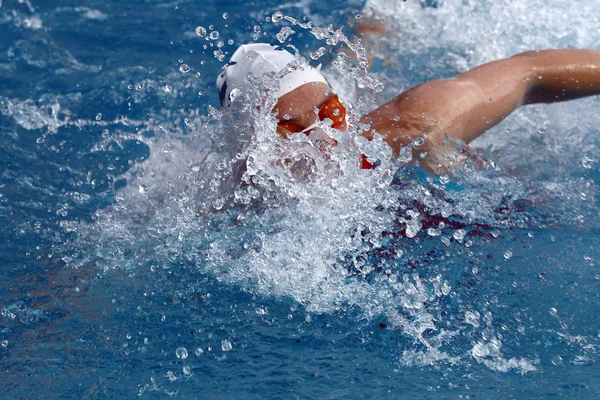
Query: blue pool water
[{"x": 135, "y": 264}]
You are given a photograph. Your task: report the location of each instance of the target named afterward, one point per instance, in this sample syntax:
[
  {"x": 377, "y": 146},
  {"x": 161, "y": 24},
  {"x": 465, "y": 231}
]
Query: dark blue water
[{"x": 133, "y": 263}]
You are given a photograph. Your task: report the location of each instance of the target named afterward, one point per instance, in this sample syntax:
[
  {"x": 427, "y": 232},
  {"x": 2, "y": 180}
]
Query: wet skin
[{"x": 466, "y": 106}]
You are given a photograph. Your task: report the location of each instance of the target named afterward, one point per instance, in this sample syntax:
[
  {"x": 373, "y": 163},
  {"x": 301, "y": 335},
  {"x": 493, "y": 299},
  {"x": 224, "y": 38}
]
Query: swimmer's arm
[{"x": 466, "y": 106}]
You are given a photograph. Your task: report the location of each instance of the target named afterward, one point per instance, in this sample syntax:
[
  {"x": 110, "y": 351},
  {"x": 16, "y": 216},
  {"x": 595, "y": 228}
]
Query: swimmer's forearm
[
  {"x": 468, "y": 105},
  {"x": 486, "y": 95},
  {"x": 560, "y": 75}
]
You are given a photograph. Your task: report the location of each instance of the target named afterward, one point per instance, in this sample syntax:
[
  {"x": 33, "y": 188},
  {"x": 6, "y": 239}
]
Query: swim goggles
[{"x": 333, "y": 109}]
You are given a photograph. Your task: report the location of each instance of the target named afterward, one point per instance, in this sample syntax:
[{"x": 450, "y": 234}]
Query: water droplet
[
  {"x": 434, "y": 231},
  {"x": 187, "y": 371},
  {"x": 184, "y": 68},
  {"x": 587, "y": 162},
  {"x": 181, "y": 352},
  {"x": 230, "y": 42},
  {"x": 98, "y": 116},
  {"x": 508, "y": 254},
  {"x": 459, "y": 234},
  {"x": 553, "y": 311},
  {"x": 256, "y": 28},
  {"x": 411, "y": 231},
  {"x": 444, "y": 179},
  {"x": 277, "y": 16},
  {"x": 100, "y": 67},
  {"x": 199, "y": 352},
  {"x": 4, "y": 343},
  {"x": 226, "y": 345},
  {"x": 218, "y": 204},
  {"x": 287, "y": 117},
  {"x": 219, "y": 55},
  {"x": 235, "y": 93},
  {"x": 139, "y": 86},
  {"x": 225, "y": 15},
  {"x": 283, "y": 34},
  {"x": 200, "y": 31},
  {"x": 318, "y": 54},
  {"x": 557, "y": 360},
  {"x": 472, "y": 317}
]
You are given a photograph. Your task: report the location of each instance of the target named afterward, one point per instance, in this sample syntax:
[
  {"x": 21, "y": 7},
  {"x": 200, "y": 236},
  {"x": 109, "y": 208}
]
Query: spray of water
[{"x": 286, "y": 218}]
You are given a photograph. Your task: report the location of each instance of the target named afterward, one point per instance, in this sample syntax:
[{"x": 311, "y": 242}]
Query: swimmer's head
[
  {"x": 259, "y": 59},
  {"x": 302, "y": 90}
]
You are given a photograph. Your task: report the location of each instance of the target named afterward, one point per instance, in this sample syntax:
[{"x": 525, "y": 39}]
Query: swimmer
[{"x": 460, "y": 108}]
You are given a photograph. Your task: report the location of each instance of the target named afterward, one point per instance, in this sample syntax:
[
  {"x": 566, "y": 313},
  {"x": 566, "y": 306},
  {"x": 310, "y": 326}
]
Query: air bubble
[
  {"x": 225, "y": 15},
  {"x": 508, "y": 254},
  {"x": 256, "y": 28},
  {"x": 214, "y": 35},
  {"x": 199, "y": 352},
  {"x": 184, "y": 68}
]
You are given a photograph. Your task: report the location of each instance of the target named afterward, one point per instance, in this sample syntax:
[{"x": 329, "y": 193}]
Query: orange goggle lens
[
  {"x": 332, "y": 109},
  {"x": 335, "y": 111}
]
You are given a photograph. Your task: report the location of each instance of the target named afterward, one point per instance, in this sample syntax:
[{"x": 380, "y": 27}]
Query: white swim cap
[{"x": 259, "y": 59}]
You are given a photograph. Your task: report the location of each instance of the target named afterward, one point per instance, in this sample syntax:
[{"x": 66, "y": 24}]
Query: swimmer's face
[{"x": 298, "y": 106}]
